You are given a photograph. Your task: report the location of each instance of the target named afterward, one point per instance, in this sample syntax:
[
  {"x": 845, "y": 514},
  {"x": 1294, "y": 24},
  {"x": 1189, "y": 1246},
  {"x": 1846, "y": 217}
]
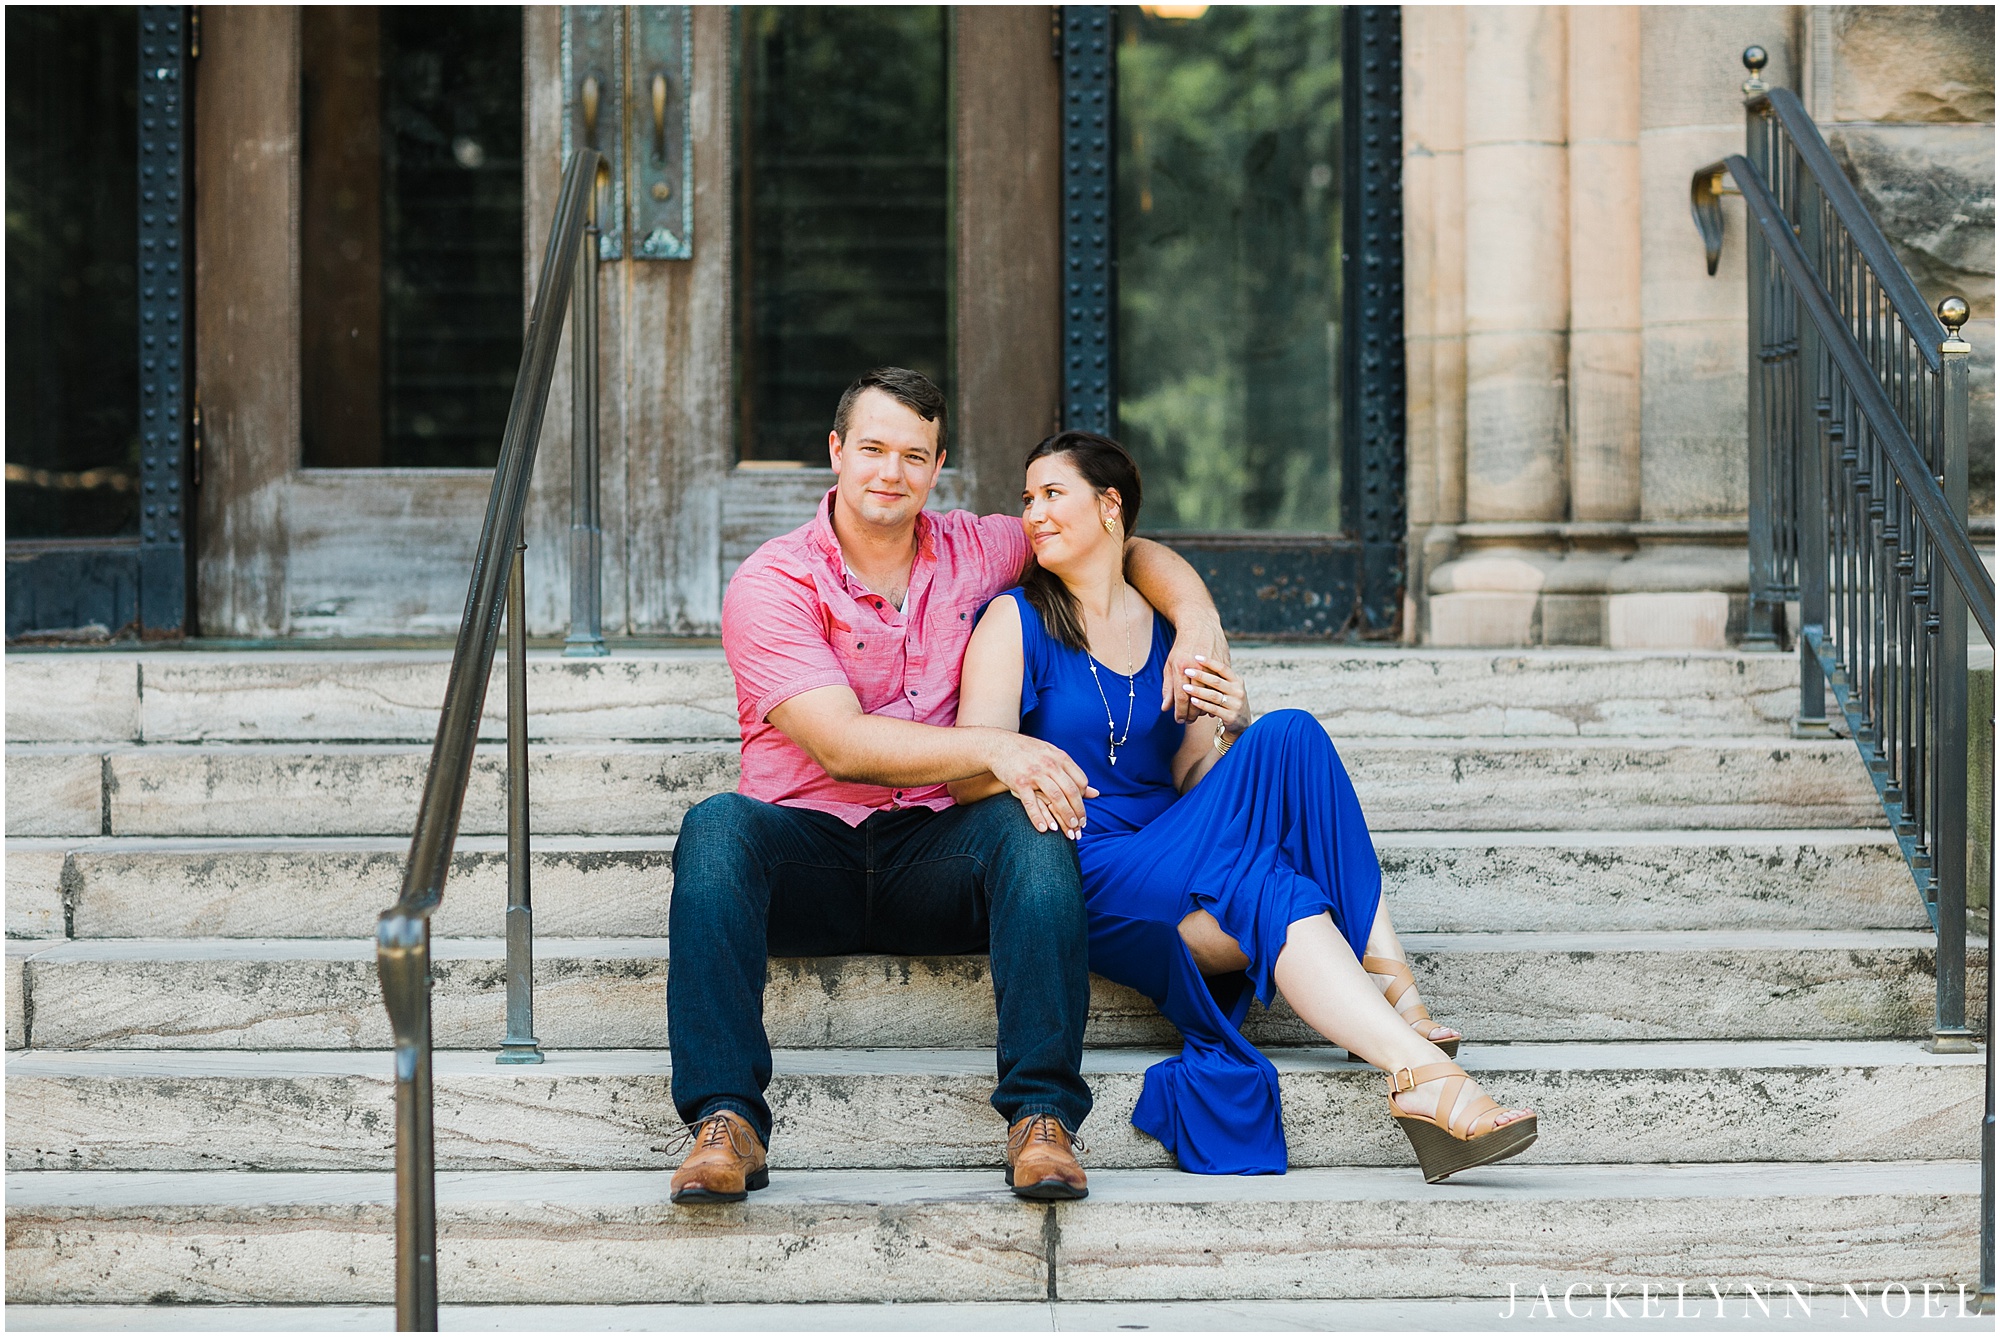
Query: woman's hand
[
  {"x": 1198, "y": 641},
  {"x": 1214, "y": 689}
]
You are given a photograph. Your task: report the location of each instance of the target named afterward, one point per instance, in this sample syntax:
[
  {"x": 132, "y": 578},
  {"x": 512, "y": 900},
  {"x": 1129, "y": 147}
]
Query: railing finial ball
[
  {"x": 1954, "y": 312},
  {"x": 1755, "y": 58}
]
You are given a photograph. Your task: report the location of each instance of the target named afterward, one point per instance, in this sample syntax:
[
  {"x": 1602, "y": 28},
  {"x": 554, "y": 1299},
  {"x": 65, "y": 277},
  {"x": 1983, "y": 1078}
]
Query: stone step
[
  {"x": 251, "y": 993},
  {"x": 613, "y": 886},
  {"x": 1739, "y": 1308},
  {"x": 331, "y": 789},
  {"x": 182, "y": 696},
  {"x": 832, "y": 1236},
  {"x": 1631, "y": 1103}
]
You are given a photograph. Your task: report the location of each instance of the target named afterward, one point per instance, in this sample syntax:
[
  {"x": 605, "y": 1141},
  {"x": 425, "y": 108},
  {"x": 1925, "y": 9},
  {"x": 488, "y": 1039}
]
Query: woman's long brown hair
[{"x": 1104, "y": 465}]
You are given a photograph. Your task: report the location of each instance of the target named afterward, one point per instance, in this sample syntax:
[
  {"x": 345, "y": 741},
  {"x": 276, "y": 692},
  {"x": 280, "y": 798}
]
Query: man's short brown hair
[{"x": 912, "y": 389}]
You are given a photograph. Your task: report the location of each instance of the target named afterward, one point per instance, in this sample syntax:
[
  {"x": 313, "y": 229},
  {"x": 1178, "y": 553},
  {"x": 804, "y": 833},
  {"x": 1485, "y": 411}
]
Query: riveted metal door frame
[
  {"x": 65, "y": 589},
  {"x": 1278, "y": 586}
]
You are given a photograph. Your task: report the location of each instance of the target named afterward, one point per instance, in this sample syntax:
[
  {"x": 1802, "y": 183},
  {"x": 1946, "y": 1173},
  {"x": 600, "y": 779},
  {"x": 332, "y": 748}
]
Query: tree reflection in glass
[{"x": 1229, "y": 264}]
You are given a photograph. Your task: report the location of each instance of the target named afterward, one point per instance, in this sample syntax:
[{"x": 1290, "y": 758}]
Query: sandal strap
[
  {"x": 1408, "y": 1079},
  {"x": 1403, "y": 982},
  {"x": 1462, "y": 1124},
  {"x": 1465, "y": 1125}
]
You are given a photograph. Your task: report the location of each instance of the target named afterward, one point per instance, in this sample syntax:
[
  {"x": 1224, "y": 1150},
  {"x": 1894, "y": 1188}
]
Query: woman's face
[{"x": 1064, "y": 515}]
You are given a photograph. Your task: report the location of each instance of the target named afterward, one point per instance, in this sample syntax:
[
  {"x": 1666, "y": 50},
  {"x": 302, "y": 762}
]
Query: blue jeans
[{"x": 754, "y": 879}]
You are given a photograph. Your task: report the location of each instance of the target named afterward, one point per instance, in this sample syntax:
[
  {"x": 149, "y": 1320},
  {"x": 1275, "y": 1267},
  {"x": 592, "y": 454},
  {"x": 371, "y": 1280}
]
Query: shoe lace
[
  {"x": 1043, "y": 1128},
  {"x": 710, "y": 1132}
]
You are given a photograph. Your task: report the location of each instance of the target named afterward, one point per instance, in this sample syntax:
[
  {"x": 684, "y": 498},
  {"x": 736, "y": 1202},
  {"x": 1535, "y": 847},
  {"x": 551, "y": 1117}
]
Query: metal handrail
[
  {"x": 402, "y": 934},
  {"x": 1927, "y": 499},
  {"x": 1858, "y": 441}
]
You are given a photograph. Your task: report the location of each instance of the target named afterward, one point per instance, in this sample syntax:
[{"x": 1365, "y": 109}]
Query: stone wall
[
  {"x": 1904, "y": 94},
  {"x": 1577, "y": 380}
]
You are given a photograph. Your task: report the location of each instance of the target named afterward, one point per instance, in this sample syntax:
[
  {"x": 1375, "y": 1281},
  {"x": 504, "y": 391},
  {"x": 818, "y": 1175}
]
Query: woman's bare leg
[
  {"x": 1213, "y": 950},
  {"x": 1382, "y": 941},
  {"x": 1323, "y": 981}
]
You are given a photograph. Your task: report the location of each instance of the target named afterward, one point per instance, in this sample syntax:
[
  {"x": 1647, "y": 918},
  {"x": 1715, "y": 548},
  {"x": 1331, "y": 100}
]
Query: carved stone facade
[{"x": 1577, "y": 382}]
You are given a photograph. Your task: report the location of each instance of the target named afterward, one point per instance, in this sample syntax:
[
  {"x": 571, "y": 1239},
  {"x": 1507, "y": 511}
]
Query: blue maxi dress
[{"x": 1273, "y": 834}]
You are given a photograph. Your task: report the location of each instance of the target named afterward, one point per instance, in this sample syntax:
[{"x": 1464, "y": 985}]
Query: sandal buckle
[{"x": 1402, "y": 1079}]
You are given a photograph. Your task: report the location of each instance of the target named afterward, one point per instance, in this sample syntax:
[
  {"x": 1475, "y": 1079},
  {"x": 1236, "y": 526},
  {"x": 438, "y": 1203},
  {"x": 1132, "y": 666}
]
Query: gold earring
[{"x": 1109, "y": 528}]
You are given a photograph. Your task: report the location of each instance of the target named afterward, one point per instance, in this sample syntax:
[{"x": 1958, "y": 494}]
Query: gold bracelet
[{"x": 1222, "y": 745}]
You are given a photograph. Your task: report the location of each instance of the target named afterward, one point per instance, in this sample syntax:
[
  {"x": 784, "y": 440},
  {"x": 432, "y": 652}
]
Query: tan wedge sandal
[
  {"x": 1403, "y": 982},
  {"x": 1460, "y": 1139}
]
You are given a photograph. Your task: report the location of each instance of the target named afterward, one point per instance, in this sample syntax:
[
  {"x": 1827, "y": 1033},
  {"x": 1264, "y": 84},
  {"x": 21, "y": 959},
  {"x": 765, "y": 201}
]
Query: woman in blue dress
[{"x": 1221, "y": 859}]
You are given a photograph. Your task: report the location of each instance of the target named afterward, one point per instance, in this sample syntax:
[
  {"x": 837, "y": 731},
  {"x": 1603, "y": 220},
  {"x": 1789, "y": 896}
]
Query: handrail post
[
  {"x": 1948, "y": 1032},
  {"x": 520, "y": 1045},
  {"x": 1765, "y": 605},
  {"x": 402, "y": 959},
  {"x": 1812, "y": 413},
  {"x": 402, "y": 933},
  {"x": 586, "y": 536}
]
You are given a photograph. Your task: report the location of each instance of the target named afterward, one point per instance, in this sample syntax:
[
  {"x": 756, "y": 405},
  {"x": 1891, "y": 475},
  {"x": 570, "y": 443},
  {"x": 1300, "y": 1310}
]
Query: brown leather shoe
[
  {"x": 727, "y": 1161},
  {"x": 1040, "y": 1163}
]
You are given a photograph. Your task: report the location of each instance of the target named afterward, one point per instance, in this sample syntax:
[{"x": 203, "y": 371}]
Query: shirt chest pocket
[
  {"x": 873, "y": 663},
  {"x": 949, "y": 628}
]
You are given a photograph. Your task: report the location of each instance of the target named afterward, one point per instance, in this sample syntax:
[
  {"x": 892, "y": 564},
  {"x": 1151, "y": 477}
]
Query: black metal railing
[
  {"x": 1858, "y": 416},
  {"x": 403, "y": 933}
]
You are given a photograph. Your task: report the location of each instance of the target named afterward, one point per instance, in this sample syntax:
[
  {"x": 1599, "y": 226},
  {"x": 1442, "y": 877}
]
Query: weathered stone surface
[
  {"x": 610, "y": 789},
  {"x": 1605, "y": 784},
  {"x": 1698, "y": 618},
  {"x": 584, "y": 886},
  {"x": 839, "y": 1109},
  {"x": 611, "y": 993},
  {"x": 396, "y": 696},
  {"x": 1930, "y": 187},
  {"x": 1913, "y": 62},
  {"x": 53, "y": 697},
  {"x": 54, "y": 792},
  {"x": 1486, "y": 1313},
  {"x": 610, "y": 1237},
  {"x": 34, "y": 890},
  {"x": 334, "y": 887},
  {"x": 1152, "y": 1235},
  {"x": 1620, "y": 881},
  {"x": 373, "y": 789},
  {"x": 393, "y": 696},
  {"x": 17, "y": 995},
  {"x": 1553, "y": 693}
]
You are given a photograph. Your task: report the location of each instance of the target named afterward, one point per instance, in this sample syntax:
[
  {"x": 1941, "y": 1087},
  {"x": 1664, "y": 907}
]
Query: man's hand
[
  {"x": 1049, "y": 785},
  {"x": 1198, "y": 645}
]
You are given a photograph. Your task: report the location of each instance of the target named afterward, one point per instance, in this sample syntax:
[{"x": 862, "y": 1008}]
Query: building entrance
[{"x": 1233, "y": 293}]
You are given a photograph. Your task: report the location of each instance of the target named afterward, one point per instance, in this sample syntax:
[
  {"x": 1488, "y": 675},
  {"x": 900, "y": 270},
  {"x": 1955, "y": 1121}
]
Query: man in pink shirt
[{"x": 845, "y": 638}]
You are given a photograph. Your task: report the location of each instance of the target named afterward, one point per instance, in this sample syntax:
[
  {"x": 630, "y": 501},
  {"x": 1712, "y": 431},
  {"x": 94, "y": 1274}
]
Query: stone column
[
  {"x": 1516, "y": 262},
  {"x": 1694, "y": 393},
  {"x": 1685, "y": 588},
  {"x": 1604, "y": 340},
  {"x": 1434, "y": 289}
]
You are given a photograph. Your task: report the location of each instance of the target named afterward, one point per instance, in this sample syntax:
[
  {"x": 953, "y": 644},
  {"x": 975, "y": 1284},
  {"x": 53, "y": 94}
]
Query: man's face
[{"x": 885, "y": 469}]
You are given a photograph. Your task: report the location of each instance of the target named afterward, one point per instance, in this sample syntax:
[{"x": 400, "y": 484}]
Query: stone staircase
[{"x": 1680, "y": 934}]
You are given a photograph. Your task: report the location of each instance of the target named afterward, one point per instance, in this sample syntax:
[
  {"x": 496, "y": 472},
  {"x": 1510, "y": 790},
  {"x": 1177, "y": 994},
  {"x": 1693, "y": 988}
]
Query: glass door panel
[
  {"x": 410, "y": 233},
  {"x": 1229, "y": 273},
  {"x": 844, "y": 215},
  {"x": 72, "y": 248}
]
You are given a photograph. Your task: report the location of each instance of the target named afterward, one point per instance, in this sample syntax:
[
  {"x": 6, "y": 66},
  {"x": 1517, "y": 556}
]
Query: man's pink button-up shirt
[{"x": 794, "y": 619}]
